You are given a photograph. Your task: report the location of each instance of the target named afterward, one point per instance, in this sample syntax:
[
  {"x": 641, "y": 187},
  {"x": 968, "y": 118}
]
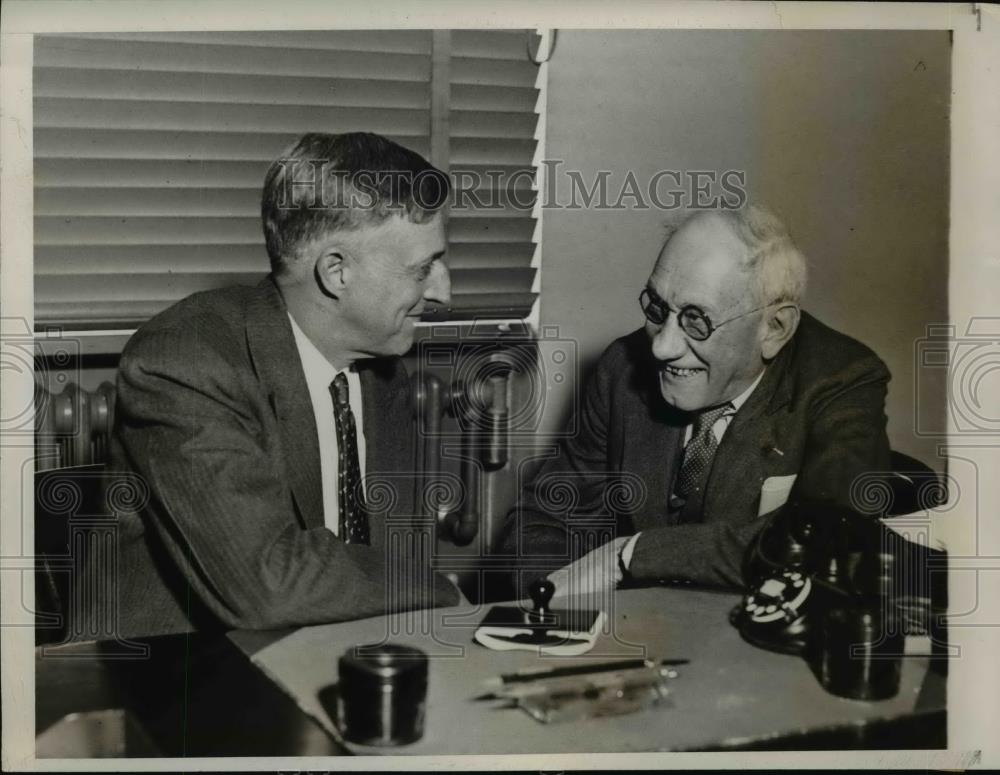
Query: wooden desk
[{"x": 732, "y": 695}]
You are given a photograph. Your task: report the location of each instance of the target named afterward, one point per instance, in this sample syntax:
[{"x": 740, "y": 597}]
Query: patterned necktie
[
  {"x": 353, "y": 512},
  {"x": 699, "y": 452}
]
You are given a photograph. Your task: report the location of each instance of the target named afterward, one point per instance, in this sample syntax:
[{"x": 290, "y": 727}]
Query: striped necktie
[
  {"x": 353, "y": 511},
  {"x": 699, "y": 453}
]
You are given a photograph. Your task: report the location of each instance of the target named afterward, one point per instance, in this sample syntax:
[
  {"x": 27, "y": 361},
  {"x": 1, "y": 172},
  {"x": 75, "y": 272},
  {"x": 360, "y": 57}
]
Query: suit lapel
[
  {"x": 388, "y": 442},
  {"x": 652, "y": 444},
  {"x": 747, "y": 442},
  {"x": 275, "y": 357}
]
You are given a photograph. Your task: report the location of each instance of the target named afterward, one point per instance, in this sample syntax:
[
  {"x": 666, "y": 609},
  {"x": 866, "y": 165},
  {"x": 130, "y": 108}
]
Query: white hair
[{"x": 777, "y": 267}]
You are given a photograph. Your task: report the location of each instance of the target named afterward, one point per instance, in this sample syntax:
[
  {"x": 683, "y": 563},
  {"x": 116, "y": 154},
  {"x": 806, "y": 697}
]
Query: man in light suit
[
  {"x": 272, "y": 424},
  {"x": 704, "y": 424}
]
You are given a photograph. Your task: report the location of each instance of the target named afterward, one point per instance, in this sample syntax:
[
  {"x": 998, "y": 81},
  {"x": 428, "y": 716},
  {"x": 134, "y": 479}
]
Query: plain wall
[{"x": 843, "y": 134}]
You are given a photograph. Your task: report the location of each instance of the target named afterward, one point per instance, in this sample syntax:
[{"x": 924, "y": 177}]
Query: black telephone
[
  {"x": 814, "y": 556},
  {"x": 831, "y": 585}
]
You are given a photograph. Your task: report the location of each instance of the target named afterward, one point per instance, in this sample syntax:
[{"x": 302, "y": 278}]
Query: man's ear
[
  {"x": 780, "y": 327},
  {"x": 332, "y": 272}
]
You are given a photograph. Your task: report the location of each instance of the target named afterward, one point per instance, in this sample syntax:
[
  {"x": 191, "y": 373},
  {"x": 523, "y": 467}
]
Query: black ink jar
[{"x": 382, "y": 694}]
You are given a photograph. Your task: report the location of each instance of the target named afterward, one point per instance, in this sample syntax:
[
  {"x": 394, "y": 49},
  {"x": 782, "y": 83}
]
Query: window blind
[{"x": 151, "y": 149}]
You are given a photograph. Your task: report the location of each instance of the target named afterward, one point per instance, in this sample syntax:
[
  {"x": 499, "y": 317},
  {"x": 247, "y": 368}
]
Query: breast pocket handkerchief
[{"x": 774, "y": 492}]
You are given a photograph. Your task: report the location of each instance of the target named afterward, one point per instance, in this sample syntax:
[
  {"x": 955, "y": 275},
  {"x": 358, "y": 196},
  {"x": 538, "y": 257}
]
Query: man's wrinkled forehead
[{"x": 701, "y": 263}]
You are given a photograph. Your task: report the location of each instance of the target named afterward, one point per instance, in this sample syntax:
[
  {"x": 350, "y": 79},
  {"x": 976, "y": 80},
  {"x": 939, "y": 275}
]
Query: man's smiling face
[
  {"x": 701, "y": 266},
  {"x": 397, "y": 267}
]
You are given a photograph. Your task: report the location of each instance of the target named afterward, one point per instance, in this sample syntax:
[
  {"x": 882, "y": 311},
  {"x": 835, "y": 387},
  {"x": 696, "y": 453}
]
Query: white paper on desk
[{"x": 570, "y": 644}]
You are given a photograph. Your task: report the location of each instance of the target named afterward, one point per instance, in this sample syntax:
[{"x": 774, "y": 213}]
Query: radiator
[{"x": 73, "y": 428}]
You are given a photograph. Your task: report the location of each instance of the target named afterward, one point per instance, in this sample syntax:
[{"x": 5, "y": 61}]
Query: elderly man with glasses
[{"x": 696, "y": 429}]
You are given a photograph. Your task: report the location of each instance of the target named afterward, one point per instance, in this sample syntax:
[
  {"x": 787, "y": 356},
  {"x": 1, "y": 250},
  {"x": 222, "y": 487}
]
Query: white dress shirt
[
  {"x": 722, "y": 423},
  {"x": 719, "y": 429},
  {"x": 319, "y": 375}
]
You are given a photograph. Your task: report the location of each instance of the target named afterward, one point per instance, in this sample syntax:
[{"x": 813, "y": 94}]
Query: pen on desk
[
  {"x": 587, "y": 685},
  {"x": 537, "y": 673},
  {"x": 591, "y": 686}
]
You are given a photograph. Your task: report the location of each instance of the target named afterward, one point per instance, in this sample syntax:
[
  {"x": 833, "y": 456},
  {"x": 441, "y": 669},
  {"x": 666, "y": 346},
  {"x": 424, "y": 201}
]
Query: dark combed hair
[{"x": 325, "y": 183}]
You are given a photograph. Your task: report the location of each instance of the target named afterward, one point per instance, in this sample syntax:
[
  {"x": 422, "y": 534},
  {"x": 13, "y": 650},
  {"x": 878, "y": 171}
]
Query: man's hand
[{"x": 596, "y": 571}]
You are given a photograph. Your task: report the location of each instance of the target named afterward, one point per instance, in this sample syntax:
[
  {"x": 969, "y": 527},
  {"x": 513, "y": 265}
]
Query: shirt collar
[
  {"x": 318, "y": 370},
  {"x": 742, "y": 397}
]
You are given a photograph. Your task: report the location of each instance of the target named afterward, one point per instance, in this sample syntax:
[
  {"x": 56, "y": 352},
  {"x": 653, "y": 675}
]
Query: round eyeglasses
[{"x": 692, "y": 319}]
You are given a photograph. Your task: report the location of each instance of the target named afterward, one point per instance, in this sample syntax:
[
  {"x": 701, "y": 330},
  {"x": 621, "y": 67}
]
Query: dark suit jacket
[
  {"x": 214, "y": 413},
  {"x": 818, "y": 412}
]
